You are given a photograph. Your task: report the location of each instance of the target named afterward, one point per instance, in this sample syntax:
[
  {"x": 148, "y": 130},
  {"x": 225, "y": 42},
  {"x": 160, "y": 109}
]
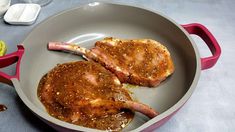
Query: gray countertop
[{"x": 211, "y": 107}]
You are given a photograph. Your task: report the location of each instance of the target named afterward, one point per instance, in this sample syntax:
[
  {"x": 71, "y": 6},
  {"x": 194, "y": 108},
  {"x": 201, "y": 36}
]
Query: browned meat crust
[
  {"x": 143, "y": 62},
  {"x": 86, "y": 94}
]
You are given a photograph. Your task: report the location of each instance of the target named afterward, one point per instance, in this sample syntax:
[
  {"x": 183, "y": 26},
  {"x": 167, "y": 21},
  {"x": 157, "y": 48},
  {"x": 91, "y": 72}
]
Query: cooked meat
[
  {"x": 140, "y": 61},
  {"x": 86, "y": 94}
]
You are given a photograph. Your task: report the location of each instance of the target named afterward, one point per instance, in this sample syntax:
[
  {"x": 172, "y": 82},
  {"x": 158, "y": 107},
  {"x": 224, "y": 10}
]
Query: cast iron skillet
[{"x": 88, "y": 23}]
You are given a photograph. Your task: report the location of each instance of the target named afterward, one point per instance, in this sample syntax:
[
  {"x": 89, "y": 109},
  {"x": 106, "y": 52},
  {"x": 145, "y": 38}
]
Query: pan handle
[
  {"x": 8, "y": 60},
  {"x": 209, "y": 39}
]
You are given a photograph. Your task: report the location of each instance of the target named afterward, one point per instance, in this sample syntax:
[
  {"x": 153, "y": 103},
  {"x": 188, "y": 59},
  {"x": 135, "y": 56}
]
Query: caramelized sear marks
[
  {"x": 142, "y": 61},
  {"x": 86, "y": 94}
]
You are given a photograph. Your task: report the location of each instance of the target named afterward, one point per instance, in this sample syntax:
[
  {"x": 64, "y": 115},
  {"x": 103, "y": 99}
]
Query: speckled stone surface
[{"x": 211, "y": 107}]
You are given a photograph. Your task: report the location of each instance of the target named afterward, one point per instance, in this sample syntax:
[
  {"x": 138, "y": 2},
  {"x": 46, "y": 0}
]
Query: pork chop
[
  {"x": 143, "y": 62},
  {"x": 86, "y": 94}
]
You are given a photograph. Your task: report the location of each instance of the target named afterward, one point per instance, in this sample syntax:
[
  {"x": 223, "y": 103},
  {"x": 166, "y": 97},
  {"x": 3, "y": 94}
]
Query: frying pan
[{"x": 91, "y": 22}]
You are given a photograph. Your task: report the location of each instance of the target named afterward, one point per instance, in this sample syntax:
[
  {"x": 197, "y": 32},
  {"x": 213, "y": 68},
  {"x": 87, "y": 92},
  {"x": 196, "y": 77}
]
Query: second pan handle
[{"x": 209, "y": 39}]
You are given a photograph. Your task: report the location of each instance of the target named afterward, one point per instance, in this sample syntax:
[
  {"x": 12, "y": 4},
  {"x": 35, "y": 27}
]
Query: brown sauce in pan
[
  {"x": 2, "y": 107},
  {"x": 67, "y": 90}
]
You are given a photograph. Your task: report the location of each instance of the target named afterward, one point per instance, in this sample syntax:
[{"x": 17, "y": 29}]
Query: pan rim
[{"x": 146, "y": 125}]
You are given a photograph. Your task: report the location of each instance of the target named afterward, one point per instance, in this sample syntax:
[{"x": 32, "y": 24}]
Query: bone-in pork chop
[
  {"x": 86, "y": 94},
  {"x": 140, "y": 61}
]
